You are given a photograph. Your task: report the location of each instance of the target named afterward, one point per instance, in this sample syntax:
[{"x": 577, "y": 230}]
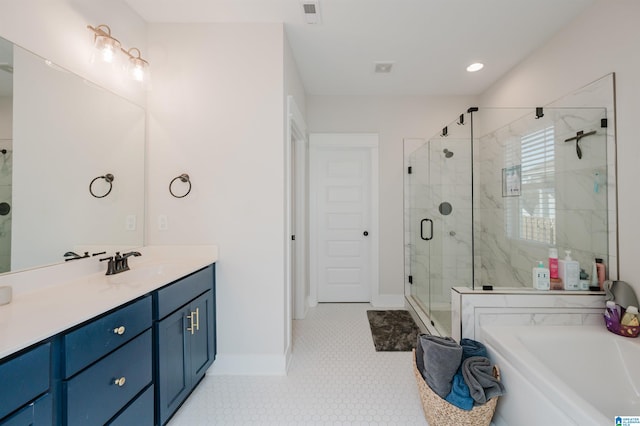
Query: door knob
[{"x": 365, "y": 233}]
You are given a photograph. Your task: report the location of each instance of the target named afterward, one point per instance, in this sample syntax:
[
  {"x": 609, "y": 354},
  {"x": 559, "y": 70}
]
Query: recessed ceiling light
[{"x": 477, "y": 66}]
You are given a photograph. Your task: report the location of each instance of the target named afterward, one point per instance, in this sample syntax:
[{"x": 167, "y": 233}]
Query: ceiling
[{"x": 430, "y": 42}]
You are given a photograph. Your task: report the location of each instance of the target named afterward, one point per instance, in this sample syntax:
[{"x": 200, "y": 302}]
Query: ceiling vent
[
  {"x": 311, "y": 10},
  {"x": 383, "y": 67}
]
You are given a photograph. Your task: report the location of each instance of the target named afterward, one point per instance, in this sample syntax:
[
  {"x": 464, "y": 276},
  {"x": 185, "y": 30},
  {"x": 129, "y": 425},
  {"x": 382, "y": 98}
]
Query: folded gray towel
[
  {"x": 442, "y": 357},
  {"x": 478, "y": 375}
]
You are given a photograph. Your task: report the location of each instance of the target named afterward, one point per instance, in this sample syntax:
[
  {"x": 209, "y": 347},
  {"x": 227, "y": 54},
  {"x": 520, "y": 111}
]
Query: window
[{"x": 538, "y": 195}]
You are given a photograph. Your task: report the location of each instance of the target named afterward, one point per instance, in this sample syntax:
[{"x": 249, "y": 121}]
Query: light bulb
[{"x": 477, "y": 66}]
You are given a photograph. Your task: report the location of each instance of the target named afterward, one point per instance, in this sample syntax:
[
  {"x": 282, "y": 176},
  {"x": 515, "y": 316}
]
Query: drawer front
[
  {"x": 24, "y": 377},
  {"x": 101, "y": 336},
  {"x": 181, "y": 292},
  {"x": 93, "y": 397},
  {"x": 38, "y": 413},
  {"x": 139, "y": 412}
]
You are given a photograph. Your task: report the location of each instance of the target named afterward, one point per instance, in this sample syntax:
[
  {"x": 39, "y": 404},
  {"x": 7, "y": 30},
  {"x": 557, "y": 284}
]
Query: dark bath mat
[{"x": 393, "y": 330}]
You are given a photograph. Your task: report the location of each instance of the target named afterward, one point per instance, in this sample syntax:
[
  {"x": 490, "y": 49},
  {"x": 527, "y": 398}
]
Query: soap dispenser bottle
[
  {"x": 541, "y": 277},
  {"x": 630, "y": 317},
  {"x": 569, "y": 271}
]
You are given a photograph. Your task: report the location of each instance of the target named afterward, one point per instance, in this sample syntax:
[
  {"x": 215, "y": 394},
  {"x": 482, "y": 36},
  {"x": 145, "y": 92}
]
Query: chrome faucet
[{"x": 119, "y": 263}]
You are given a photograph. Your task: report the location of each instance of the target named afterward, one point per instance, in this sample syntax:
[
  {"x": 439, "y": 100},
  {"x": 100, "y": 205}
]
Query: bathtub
[{"x": 564, "y": 375}]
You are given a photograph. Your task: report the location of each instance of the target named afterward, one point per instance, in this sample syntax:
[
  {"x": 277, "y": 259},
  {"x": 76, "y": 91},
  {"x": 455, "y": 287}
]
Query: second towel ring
[
  {"x": 183, "y": 178},
  {"x": 108, "y": 178}
]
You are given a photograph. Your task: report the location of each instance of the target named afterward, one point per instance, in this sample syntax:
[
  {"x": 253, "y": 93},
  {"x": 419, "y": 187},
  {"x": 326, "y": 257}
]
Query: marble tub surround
[
  {"x": 51, "y": 299},
  {"x": 471, "y": 310}
]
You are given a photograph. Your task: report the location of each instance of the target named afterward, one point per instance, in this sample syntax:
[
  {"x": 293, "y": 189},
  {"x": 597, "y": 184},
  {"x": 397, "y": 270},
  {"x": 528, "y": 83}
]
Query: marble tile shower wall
[{"x": 503, "y": 257}]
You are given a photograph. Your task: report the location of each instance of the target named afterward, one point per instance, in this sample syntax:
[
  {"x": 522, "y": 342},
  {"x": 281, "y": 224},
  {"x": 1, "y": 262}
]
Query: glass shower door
[
  {"x": 418, "y": 192},
  {"x": 439, "y": 231}
]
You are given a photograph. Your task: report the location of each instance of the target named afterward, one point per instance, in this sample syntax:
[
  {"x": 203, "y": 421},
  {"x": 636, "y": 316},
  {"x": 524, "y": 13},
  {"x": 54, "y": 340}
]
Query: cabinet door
[
  {"x": 38, "y": 413},
  {"x": 24, "y": 377},
  {"x": 202, "y": 340},
  {"x": 174, "y": 377}
]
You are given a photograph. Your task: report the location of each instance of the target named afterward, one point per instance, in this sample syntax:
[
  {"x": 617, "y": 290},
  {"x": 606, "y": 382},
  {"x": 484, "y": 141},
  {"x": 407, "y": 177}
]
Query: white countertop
[{"x": 49, "y": 300}]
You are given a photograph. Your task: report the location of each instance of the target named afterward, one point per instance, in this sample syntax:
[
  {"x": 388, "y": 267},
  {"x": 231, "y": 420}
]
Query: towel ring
[
  {"x": 183, "y": 178},
  {"x": 108, "y": 178}
]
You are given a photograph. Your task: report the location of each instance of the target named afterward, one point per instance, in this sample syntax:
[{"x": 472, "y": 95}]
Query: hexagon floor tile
[{"x": 335, "y": 378}]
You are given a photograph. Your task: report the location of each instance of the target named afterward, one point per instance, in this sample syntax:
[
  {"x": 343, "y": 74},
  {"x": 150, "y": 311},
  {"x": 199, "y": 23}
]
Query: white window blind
[{"x": 538, "y": 200}]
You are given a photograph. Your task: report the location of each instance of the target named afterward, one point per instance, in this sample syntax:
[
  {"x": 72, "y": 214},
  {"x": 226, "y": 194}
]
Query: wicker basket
[{"x": 439, "y": 412}]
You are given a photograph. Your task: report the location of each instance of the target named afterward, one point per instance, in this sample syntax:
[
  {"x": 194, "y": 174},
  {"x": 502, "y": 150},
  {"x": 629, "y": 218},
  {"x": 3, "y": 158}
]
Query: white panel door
[{"x": 342, "y": 191}]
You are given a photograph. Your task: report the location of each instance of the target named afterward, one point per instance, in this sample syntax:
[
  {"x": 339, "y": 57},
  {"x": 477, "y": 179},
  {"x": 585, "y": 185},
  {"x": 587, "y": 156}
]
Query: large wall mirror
[{"x": 58, "y": 133}]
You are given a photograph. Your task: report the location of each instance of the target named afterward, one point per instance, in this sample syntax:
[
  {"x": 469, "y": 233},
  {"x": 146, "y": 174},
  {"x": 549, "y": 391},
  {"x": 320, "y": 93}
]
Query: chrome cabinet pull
[
  {"x": 120, "y": 382},
  {"x": 119, "y": 330},
  {"x": 194, "y": 318}
]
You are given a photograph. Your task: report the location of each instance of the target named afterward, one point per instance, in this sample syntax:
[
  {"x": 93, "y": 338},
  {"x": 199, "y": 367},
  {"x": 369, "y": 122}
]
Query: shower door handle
[{"x": 430, "y": 229}]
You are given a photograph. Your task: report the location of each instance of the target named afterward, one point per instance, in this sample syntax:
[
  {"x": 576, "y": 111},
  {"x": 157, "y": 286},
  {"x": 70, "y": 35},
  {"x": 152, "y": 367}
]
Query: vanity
[{"x": 88, "y": 349}]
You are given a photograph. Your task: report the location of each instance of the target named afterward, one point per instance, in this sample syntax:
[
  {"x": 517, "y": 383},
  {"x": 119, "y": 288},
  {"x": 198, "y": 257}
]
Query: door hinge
[
  {"x": 604, "y": 123},
  {"x": 410, "y": 279},
  {"x": 293, "y": 238},
  {"x": 409, "y": 170}
]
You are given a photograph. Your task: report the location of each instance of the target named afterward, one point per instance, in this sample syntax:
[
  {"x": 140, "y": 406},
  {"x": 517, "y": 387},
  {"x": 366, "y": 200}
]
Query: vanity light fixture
[
  {"x": 137, "y": 67},
  {"x": 476, "y": 66},
  {"x": 106, "y": 46}
]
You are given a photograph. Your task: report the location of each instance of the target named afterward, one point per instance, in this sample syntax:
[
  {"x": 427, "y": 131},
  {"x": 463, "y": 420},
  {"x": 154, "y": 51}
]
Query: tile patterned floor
[{"x": 336, "y": 378}]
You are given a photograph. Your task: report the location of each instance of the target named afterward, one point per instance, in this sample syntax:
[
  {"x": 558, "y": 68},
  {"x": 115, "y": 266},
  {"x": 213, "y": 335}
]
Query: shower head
[{"x": 447, "y": 153}]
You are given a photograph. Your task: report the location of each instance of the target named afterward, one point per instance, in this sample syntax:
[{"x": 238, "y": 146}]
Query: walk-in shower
[{"x": 521, "y": 180}]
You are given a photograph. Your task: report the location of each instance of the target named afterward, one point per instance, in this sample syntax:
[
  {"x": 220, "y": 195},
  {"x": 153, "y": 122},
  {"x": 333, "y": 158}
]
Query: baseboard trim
[
  {"x": 388, "y": 301},
  {"x": 249, "y": 365}
]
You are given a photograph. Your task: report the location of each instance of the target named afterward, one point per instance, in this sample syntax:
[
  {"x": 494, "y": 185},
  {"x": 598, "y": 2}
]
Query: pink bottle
[
  {"x": 601, "y": 270},
  {"x": 553, "y": 262}
]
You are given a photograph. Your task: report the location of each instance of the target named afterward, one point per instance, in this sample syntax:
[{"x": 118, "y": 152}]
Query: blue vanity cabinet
[
  {"x": 24, "y": 393},
  {"x": 185, "y": 339},
  {"x": 107, "y": 367}
]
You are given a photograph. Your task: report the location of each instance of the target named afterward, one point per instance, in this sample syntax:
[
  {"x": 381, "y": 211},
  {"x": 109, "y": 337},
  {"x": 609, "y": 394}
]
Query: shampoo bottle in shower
[
  {"x": 541, "y": 277},
  {"x": 553, "y": 263},
  {"x": 569, "y": 271}
]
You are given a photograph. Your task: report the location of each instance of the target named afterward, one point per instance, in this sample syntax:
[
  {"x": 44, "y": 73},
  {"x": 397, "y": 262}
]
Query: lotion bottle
[
  {"x": 600, "y": 269},
  {"x": 594, "y": 276},
  {"x": 541, "y": 277},
  {"x": 553, "y": 263},
  {"x": 569, "y": 271}
]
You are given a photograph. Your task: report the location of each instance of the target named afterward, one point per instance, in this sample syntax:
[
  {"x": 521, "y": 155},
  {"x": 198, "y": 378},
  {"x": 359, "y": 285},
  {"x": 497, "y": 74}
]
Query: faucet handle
[{"x": 111, "y": 265}]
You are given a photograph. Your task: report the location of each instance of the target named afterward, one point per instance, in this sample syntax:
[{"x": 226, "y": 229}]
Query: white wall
[
  {"x": 216, "y": 112},
  {"x": 57, "y": 30},
  {"x": 603, "y": 39},
  {"x": 393, "y": 118}
]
